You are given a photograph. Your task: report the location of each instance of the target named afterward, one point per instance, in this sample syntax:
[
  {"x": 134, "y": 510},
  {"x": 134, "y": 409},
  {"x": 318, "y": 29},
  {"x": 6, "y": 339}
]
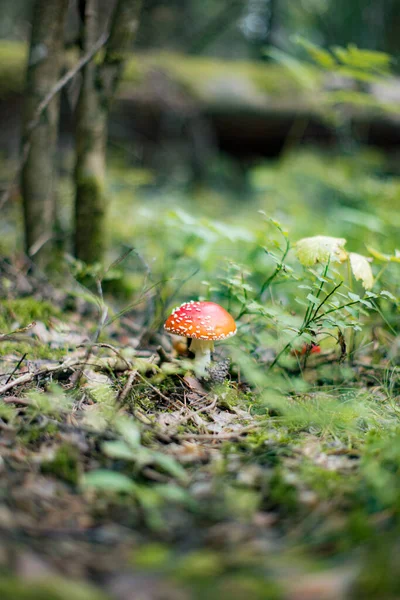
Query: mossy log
[{"x": 251, "y": 109}]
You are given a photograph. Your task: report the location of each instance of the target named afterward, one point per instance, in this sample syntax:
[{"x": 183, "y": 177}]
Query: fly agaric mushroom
[{"x": 204, "y": 323}]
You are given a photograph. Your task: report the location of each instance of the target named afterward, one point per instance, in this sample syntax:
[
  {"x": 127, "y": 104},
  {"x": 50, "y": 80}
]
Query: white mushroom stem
[{"x": 202, "y": 351}]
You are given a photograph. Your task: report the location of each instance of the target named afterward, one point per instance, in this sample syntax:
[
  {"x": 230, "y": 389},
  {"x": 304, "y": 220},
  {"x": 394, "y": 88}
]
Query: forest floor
[{"x": 124, "y": 477}]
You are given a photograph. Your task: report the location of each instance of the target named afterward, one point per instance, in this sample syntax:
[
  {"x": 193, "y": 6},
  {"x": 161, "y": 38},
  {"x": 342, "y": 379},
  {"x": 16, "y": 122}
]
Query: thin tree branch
[{"x": 66, "y": 79}]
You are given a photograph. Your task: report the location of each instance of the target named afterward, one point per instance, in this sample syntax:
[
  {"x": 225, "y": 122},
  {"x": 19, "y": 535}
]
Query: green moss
[
  {"x": 283, "y": 495},
  {"x": 34, "y": 433},
  {"x": 91, "y": 185},
  {"x": 25, "y": 310},
  {"x": 200, "y": 564},
  {"x": 55, "y": 588},
  {"x": 65, "y": 464},
  {"x": 151, "y": 556},
  {"x": 90, "y": 239},
  {"x": 20, "y": 313},
  {"x": 32, "y": 350}
]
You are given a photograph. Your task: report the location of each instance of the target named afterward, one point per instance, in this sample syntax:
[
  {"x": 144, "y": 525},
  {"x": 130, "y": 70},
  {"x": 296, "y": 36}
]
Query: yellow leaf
[
  {"x": 320, "y": 249},
  {"x": 361, "y": 270}
]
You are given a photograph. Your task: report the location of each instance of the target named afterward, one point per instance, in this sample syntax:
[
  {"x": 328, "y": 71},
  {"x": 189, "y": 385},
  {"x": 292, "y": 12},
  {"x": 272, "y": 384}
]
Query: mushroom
[{"x": 204, "y": 323}]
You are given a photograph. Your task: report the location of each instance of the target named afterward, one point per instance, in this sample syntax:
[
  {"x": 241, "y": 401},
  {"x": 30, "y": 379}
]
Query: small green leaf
[
  {"x": 118, "y": 449},
  {"x": 389, "y": 295},
  {"x": 319, "y": 55},
  {"x": 313, "y": 299},
  {"x": 174, "y": 493},
  {"x": 130, "y": 431},
  {"x": 170, "y": 465},
  {"x": 366, "y": 303},
  {"x": 363, "y": 59},
  {"x": 108, "y": 481}
]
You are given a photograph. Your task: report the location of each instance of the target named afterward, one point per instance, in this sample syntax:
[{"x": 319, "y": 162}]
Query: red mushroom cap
[{"x": 201, "y": 320}]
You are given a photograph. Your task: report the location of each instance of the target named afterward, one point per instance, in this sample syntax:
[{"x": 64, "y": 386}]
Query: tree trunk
[
  {"x": 90, "y": 201},
  {"x": 97, "y": 92},
  {"x": 39, "y": 143}
]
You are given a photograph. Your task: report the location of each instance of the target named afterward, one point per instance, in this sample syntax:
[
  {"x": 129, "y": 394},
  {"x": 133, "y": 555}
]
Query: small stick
[
  {"x": 28, "y": 377},
  {"x": 16, "y": 400},
  {"x": 7, "y": 336},
  {"x": 191, "y": 415},
  {"x": 156, "y": 390},
  {"x": 109, "y": 346},
  {"x": 221, "y": 436},
  {"x": 127, "y": 388},
  {"x": 16, "y": 367},
  {"x": 163, "y": 355}
]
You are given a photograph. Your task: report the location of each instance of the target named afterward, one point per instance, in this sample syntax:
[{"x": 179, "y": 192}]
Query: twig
[
  {"x": 153, "y": 387},
  {"x": 7, "y": 336},
  {"x": 221, "y": 436},
  {"x": 66, "y": 79},
  {"x": 16, "y": 367},
  {"x": 127, "y": 387},
  {"x": 42, "y": 107},
  {"x": 28, "y": 377},
  {"x": 118, "y": 260},
  {"x": 110, "y": 347},
  {"x": 190, "y": 416},
  {"x": 163, "y": 355},
  {"x": 16, "y": 400}
]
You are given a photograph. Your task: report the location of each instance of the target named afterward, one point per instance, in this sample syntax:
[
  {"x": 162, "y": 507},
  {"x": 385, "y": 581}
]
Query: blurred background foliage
[{"x": 242, "y": 28}]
